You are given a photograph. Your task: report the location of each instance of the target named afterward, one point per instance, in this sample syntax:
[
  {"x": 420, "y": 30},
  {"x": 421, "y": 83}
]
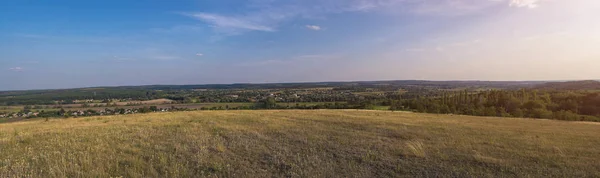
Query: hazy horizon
[
  {"x": 293, "y": 82},
  {"x": 73, "y": 44}
]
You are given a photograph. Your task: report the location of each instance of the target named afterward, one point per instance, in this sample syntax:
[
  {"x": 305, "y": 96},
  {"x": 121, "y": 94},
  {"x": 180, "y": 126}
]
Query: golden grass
[
  {"x": 323, "y": 143},
  {"x": 416, "y": 148}
]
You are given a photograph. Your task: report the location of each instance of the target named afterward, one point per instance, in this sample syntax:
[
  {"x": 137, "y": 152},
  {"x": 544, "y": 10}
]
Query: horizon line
[{"x": 301, "y": 82}]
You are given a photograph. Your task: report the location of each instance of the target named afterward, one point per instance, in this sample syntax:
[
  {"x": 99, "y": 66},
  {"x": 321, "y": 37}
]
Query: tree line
[{"x": 545, "y": 104}]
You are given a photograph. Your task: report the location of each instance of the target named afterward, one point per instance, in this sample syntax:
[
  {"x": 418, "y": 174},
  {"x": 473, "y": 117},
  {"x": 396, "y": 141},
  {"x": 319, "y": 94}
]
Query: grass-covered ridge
[{"x": 322, "y": 143}]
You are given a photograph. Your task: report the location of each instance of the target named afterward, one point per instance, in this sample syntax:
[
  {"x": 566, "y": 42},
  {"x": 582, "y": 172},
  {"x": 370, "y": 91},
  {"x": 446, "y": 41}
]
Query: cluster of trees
[
  {"x": 50, "y": 97},
  {"x": 562, "y": 105}
]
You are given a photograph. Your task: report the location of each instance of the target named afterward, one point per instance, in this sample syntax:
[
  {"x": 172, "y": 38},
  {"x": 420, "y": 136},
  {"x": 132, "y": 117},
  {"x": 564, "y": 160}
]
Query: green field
[
  {"x": 381, "y": 108},
  {"x": 292, "y": 143},
  {"x": 9, "y": 109}
]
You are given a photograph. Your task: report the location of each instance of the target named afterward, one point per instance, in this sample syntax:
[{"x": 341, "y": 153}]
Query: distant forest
[
  {"x": 574, "y": 100},
  {"x": 561, "y": 105}
]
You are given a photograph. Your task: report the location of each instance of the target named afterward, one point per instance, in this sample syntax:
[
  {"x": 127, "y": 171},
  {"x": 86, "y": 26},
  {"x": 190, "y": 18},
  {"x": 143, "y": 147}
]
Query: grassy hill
[{"x": 291, "y": 143}]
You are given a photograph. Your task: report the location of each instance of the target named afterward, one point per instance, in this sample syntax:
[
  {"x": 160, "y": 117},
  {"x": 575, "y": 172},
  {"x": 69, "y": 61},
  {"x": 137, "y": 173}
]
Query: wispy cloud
[
  {"x": 199, "y": 54},
  {"x": 267, "y": 15},
  {"x": 524, "y": 3},
  {"x": 16, "y": 69},
  {"x": 231, "y": 23},
  {"x": 313, "y": 27}
]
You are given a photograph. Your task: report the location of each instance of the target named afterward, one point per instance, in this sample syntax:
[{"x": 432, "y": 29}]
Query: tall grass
[{"x": 322, "y": 143}]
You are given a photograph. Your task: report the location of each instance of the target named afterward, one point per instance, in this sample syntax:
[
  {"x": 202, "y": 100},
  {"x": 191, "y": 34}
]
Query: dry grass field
[{"x": 323, "y": 143}]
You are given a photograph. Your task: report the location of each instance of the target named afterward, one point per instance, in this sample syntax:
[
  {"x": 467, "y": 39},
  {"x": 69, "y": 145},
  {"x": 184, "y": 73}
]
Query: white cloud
[
  {"x": 231, "y": 23},
  {"x": 524, "y": 3},
  {"x": 313, "y": 27},
  {"x": 267, "y": 15},
  {"x": 16, "y": 69},
  {"x": 199, "y": 54}
]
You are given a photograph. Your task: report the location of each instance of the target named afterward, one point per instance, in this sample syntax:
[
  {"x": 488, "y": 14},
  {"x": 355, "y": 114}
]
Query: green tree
[
  {"x": 268, "y": 103},
  {"x": 490, "y": 111},
  {"x": 541, "y": 114}
]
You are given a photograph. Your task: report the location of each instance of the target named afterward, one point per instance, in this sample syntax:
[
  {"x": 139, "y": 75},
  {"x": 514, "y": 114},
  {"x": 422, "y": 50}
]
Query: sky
[{"x": 74, "y": 43}]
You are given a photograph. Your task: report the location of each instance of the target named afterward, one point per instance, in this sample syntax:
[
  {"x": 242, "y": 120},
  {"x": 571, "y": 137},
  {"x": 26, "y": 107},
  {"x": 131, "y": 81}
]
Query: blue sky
[{"x": 72, "y": 43}]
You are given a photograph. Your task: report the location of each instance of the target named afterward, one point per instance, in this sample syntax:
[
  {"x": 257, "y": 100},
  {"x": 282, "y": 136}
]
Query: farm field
[
  {"x": 294, "y": 143},
  {"x": 10, "y": 108}
]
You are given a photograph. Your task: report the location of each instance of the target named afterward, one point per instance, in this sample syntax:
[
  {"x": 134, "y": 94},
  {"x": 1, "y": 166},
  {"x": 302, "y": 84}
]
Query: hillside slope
[{"x": 289, "y": 143}]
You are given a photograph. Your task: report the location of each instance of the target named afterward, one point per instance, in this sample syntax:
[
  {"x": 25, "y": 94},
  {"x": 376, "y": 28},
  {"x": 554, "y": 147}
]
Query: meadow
[{"x": 295, "y": 143}]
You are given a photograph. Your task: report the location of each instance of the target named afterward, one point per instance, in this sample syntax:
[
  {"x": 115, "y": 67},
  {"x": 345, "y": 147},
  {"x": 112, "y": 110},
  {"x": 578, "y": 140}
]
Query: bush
[
  {"x": 541, "y": 114},
  {"x": 517, "y": 113},
  {"x": 566, "y": 115}
]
